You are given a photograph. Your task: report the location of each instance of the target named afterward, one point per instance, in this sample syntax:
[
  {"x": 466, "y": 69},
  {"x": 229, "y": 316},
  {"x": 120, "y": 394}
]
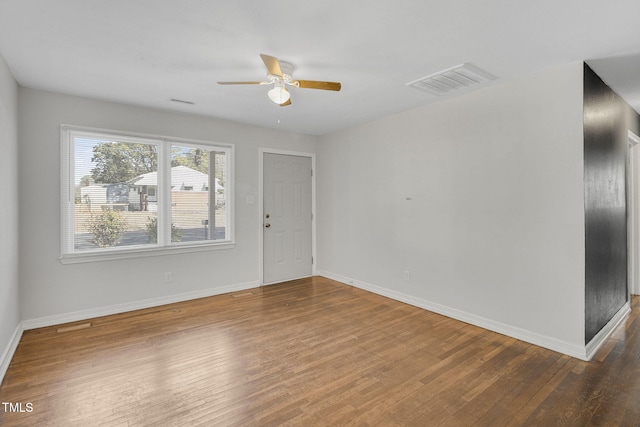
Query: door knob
[{"x": 267, "y": 225}]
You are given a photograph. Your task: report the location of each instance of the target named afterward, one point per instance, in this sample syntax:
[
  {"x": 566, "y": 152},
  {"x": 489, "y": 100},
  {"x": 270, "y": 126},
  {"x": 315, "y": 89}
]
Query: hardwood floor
[{"x": 311, "y": 352}]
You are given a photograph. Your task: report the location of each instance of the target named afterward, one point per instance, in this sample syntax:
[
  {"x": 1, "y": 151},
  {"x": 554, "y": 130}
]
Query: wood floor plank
[{"x": 311, "y": 352}]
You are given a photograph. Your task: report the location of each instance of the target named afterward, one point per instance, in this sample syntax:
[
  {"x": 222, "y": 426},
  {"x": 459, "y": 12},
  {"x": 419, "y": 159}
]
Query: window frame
[{"x": 164, "y": 246}]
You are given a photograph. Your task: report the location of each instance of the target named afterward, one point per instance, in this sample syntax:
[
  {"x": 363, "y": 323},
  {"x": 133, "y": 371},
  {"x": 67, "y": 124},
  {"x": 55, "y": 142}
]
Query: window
[
  {"x": 190, "y": 196},
  {"x": 126, "y": 195}
]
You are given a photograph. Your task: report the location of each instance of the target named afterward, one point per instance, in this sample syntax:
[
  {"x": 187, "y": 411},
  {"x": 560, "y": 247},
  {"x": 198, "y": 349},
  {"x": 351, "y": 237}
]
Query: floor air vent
[
  {"x": 73, "y": 328},
  {"x": 456, "y": 78},
  {"x": 242, "y": 294}
]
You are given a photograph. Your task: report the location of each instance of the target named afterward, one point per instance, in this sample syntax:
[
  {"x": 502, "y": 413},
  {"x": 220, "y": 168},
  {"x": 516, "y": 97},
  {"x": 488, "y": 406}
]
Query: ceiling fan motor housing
[{"x": 287, "y": 71}]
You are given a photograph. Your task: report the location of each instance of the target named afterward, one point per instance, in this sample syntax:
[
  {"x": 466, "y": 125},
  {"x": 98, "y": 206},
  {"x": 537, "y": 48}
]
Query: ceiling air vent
[{"x": 456, "y": 78}]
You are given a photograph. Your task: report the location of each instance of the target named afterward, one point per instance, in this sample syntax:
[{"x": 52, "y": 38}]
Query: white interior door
[{"x": 287, "y": 217}]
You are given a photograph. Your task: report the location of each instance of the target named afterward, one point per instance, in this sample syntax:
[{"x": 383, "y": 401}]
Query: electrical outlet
[
  {"x": 407, "y": 276},
  {"x": 168, "y": 277}
]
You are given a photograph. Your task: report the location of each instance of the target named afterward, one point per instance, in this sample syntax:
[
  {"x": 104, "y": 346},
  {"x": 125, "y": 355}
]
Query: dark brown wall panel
[{"x": 607, "y": 120}]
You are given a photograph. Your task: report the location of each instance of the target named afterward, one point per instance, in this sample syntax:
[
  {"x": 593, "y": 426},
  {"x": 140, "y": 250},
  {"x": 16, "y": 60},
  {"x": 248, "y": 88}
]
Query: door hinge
[{"x": 311, "y": 260}]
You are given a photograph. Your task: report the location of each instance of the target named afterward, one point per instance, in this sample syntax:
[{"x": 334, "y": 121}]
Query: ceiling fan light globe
[{"x": 279, "y": 95}]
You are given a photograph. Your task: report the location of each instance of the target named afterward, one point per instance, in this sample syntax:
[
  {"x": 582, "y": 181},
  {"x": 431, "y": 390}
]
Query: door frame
[
  {"x": 633, "y": 220},
  {"x": 312, "y": 156}
]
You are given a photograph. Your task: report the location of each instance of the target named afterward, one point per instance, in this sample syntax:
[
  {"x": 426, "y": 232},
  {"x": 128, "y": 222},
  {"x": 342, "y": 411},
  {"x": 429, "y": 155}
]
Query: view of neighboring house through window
[
  {"x": 131, "y": 192},
  {"x": 108, "y": 210},
  {"x": 197, "y": 201}
]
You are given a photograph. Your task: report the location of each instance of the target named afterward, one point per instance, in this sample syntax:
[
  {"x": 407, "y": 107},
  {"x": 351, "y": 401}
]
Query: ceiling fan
[{"x": 280, "y": 75}]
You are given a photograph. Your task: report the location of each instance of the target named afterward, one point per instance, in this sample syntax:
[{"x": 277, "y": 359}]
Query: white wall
[
  {"x": 479, "y": 197},
  {"x": 9, "y": 304},
  {"x": 52, "y": 290}
]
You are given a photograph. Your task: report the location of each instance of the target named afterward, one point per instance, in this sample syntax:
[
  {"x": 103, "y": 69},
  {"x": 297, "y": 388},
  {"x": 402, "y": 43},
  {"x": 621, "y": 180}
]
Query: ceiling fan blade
[
  {"x": 313, "y": 84},
  {"x": 272, "y": 64},
  {"x": 284, "y": 104},
  {"x": 243, "y": 83}
]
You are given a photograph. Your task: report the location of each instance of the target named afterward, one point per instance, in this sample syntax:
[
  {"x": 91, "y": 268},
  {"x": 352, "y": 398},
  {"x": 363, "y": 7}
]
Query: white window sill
[{"x": 109, "y": 255}]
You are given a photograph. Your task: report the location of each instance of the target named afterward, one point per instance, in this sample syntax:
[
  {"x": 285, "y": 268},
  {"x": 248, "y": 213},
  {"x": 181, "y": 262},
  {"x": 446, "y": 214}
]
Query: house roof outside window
[{"x": 182, "y": 178}]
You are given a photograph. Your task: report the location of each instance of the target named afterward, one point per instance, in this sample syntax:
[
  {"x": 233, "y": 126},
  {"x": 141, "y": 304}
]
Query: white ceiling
[{"x": 145, "y": 52}]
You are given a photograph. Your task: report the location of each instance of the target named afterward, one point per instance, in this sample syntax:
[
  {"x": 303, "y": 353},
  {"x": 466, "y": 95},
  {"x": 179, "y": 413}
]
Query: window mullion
[{"x": 164, "y": 193}]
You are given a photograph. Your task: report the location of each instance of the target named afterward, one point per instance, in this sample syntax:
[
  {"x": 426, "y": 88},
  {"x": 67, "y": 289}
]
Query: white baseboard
[
  {"x": 569, "y": 349},
  {"x": 596, "y": 342},
  {"x": 7, "y": 354},
  {"x": 75, "y": 316}
]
